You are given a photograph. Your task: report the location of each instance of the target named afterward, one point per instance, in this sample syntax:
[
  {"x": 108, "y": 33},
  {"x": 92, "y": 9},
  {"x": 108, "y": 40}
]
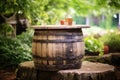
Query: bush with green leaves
[
  {"x": 26, "y": 37},
  {"x": 15, "y": 50},
  {"x": 93, "y": 46},
  {"x": 5, "y": 28},
  {"x": 112, "y": 39}
]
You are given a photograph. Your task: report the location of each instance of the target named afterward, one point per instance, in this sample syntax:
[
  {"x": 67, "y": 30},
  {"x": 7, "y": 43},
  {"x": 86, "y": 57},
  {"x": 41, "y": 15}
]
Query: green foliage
[
  {"x": 114, "y": 4},
  {"x": 82, "y": 7},
  {"x": 5, "y": 28},
  {"x": 93, "y": 46},
  {"x": 112, "y": 39},
  {"x": 29, "y": 8},
  {"x": 52, "y": 10},
  {"x": 46, "y": 10},
  {"x": 15, "y": 50},
  {"x": 11, "y": 6},
  {"x": 26, "y": 37}
]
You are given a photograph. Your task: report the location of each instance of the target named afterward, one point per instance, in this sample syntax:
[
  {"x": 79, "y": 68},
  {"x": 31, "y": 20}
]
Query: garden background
[{"x": 17, "y": 17}]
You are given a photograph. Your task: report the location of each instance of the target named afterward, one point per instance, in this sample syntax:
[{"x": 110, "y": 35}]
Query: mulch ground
[
  {"x": 118, "y": 72},
  {"x": 6, "y": 75},
  {"x": 10, "y": 74}
]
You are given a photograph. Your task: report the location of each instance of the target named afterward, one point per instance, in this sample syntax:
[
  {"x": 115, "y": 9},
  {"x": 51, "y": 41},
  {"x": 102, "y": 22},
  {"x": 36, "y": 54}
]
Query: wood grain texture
[
  {"x": 60, "y": 26},
  {"x": 58, "y": 49},
  {"x": 88, "y": 71}
]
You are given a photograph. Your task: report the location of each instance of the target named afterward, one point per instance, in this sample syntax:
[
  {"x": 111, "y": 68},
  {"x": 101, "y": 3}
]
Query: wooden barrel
[{"x": 57, "y": 49}]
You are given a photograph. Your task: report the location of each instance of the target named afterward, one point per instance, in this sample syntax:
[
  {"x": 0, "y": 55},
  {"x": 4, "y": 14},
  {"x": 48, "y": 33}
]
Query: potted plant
[
  {"x": 106, "y": 49},
  {"x": 93, "y": 46},
  {"x": 112, "y": 40}
]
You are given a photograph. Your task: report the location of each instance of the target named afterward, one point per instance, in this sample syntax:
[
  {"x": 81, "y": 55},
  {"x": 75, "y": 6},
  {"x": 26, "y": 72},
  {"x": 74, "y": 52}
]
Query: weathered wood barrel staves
[{"x": 57, "y": 48}]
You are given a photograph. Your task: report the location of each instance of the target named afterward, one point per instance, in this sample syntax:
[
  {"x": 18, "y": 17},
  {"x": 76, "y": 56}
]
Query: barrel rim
[{"x": 59, "y": 26}]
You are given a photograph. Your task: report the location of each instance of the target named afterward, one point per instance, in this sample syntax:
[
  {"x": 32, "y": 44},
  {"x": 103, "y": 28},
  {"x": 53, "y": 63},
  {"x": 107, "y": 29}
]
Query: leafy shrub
[
  {"x": 93, "y": 46},
  {"x": 5, "y": 28},
  {"x": 112, "y": 39},
  {"x": 26, "y": 37},
  {"x": 15, "y": 50}
]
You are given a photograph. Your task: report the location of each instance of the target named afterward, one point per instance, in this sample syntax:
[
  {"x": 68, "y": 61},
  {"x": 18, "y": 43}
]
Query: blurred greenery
[
  {"x": 112, "y": 39},
  {"x": 93, "y": 30},
  {"x": 93, "y": 46},
  {"x": 15, "y": 50},
  {"x": 5, "y": 28},
  {"x": 50, "y": 11}
]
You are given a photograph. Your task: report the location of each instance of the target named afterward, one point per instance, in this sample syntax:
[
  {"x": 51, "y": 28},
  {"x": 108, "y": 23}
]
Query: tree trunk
[{"x": 88, "y": 71}]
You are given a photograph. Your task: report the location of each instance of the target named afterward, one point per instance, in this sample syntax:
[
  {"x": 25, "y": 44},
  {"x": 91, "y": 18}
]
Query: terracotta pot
[
  {"x": 62, "y": 22},
  {"x": 106, "y": 49}
]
